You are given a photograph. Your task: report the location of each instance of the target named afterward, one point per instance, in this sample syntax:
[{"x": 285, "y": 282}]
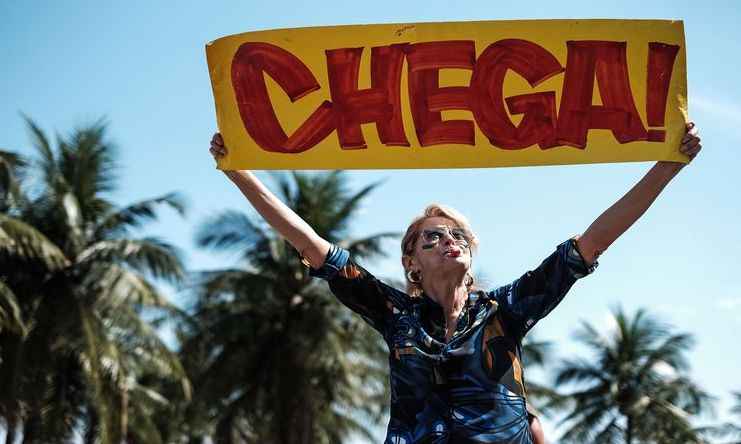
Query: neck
[{"x": 450, "y": 294}]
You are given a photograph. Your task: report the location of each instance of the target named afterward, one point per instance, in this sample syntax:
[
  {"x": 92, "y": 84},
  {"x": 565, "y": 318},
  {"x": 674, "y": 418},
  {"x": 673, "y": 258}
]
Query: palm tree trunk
[
  {"x": 307, "y": 420},
  {"x": 32, "y": 428},
  {"x": 224, "y": 431},
  {"x": 124, "y": 415},
  {"x": 92, "y": 428},
  {"x": 629, "y": 431},
  {"x": 12, "y": 429},
  {"x": 10, "y": 387}
]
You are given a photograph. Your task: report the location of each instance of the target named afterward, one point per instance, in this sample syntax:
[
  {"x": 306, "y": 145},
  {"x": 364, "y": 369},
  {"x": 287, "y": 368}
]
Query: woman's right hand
[
  {"x": 218, "y": 150},
  {"x": 282, "y": 218}
]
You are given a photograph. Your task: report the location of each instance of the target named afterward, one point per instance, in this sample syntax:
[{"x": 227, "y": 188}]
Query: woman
[{"x": 454, "y": 349}]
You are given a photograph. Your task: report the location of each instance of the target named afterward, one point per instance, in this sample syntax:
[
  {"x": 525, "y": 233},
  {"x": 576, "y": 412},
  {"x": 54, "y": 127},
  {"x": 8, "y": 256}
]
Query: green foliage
[
  {"x": 75, "y": 288},
  {"x": 12, "y": 167},
  {"x": 541, "y": 398},
  {"x": 635, "y": 387},
  {"x": 273, "y": 355},
  {"x": 730, "y": 431}
]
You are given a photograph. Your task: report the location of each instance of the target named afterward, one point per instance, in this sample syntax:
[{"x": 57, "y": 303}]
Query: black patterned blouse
[{"x": 470, "y": 389}]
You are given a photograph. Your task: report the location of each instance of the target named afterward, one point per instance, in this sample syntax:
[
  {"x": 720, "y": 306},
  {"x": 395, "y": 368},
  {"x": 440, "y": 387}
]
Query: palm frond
[
  {"x": 20, "y": 240},
  {"x": 368, "y": 247},
  {"x": 234, "y": 284},
  {"x": 670, "y": 351},
  {"x": 94, "y": 368},
  {"x": 535, "y": 352},
  {"x": 135, "y": 215},
  {"x": 87, "y": 160},
  {"x": 73, "y": 218},
  {"x": 578, "y": 370},
  {"x": 10, "y": 313},
  {"x": 350, "y": 206},
  {"x": 46, "y": 162},
  {"x": 266, "y": 333},
  {"x": 116, "y": 286},
  {"x": 143, "y": 351},
  {"x": 81, "y": 289},
  {"x": 593, "y": 338},
  {"x": 230, "y": 231},
  {"x": 11, "y": 170},
  {"x": 736, "y": 409},
  {"x": 639, "y": 374},
  {"x": 148, "y": 255}
]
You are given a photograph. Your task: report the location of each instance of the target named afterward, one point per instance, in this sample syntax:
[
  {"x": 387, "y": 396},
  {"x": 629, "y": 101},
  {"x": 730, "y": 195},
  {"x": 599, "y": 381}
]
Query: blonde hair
[{"x": 409, "y": 241}]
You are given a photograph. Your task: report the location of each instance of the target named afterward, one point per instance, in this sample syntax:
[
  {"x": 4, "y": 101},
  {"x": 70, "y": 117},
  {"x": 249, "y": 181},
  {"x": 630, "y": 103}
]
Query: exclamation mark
[{"x": 660, "y": 65}]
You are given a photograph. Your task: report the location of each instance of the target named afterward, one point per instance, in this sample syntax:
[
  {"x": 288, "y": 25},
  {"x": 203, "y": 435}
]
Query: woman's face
[{"x": 441, "y": 247}]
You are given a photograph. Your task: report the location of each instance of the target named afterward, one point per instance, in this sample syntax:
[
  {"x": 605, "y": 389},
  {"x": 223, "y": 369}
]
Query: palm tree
[
  {"x": 636, "y": 386},
  {"x": 735, "y": 429},
  {"x": 10, "y": 164},
  {"x": 12, "y": 168},
  {"x": 538, "y": 354},
  {"x": 22, "y": 248},
  {"x": 729, "y": 430},
  {"x": 273, "y": 355},
  {"x": 81, "y": 285}
]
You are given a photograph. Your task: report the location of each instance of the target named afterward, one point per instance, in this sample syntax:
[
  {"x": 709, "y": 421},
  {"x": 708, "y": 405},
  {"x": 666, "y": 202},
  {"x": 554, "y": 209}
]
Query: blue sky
[{"x": 142, "y": 66}]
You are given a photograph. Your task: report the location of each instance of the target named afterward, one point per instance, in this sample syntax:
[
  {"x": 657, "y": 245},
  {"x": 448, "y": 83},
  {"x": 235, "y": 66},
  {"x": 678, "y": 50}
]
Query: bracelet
[{"x": 303, "y": 258}]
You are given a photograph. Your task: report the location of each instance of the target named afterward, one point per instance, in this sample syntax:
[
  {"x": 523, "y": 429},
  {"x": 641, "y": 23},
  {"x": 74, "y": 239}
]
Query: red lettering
[
  {"x": 659, "y": 74},
  {"x": 535, "y": 64},
  {"x": 606, "y": 60},
  {"x": 253, "y": 100},
  {"x": 381, "y": 103},
  {"x": 386, "y": 64},
  {"x": 427, "y": 99},
  {"x": 538, "y": 124}
]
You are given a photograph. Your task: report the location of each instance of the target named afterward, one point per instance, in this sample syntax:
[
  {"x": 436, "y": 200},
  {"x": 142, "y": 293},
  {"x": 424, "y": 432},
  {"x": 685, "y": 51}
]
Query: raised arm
[
  {"x": 623, "y": 213},
  {"x": 283, "y": 220}
]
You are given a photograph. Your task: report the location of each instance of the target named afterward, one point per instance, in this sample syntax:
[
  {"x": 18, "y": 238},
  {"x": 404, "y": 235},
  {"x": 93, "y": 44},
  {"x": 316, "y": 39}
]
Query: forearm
[
  {"x": 621, "y": 215},
  {"x": 279, "y": 216}
]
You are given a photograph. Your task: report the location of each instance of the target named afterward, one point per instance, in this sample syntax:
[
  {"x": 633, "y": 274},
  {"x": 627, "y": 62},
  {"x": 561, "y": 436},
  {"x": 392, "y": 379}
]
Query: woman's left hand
[{"x": 691, "y": 141}]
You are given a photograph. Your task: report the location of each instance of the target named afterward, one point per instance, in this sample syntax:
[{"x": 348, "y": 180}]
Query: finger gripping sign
[{"x": 451, "y": 95}]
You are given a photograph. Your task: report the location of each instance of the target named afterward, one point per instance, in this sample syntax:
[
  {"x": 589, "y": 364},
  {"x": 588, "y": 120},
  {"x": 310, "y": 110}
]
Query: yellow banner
[{"x": 451, "y": 95}]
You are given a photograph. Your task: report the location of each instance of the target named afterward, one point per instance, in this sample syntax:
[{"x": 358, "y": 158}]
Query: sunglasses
[{"x": 432, "y": 236}]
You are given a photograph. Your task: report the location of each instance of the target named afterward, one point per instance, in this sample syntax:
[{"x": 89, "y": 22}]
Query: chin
[{"x": 455, "y": 264}]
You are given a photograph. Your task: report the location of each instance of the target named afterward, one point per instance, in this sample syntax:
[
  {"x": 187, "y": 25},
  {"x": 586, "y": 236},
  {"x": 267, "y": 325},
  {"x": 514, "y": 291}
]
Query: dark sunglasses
[{"x": 432, "y": 236}]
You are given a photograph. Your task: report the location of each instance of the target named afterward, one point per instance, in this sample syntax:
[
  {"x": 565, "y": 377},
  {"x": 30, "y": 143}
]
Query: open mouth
[{"x": 453, "y": 252}]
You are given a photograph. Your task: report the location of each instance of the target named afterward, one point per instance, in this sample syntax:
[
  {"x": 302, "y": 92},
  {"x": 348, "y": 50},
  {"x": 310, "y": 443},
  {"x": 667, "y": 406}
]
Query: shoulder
[
  {"x": 497, "y": 295},
  {"x": 400, "y": 299}
]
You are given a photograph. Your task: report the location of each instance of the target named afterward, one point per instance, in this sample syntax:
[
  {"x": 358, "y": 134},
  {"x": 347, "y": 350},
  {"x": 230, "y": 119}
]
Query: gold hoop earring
[
  {"x": 411, "y": 277},
  {"x": 469, "y": 282}
]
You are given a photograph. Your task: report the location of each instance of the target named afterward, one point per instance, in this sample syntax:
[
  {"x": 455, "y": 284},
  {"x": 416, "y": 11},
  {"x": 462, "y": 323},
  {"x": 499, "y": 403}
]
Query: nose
[{"x": 448, "y": 239}]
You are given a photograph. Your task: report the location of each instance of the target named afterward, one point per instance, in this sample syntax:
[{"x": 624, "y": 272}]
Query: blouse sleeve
[
  {"x": 357, "y": 289},
  {"x": 537, "y": 292}
]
